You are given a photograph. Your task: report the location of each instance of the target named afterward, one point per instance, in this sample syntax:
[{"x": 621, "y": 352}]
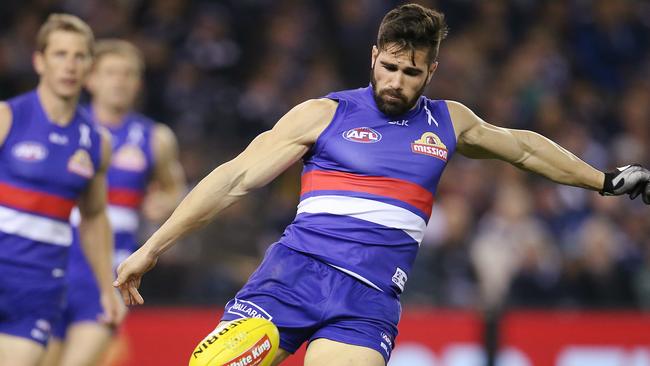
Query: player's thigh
[
  {"x": 52, "y": 352},
  {"x": 325, "y": 352},
  {"x": 85, "y": 344},
  {"x": 280, "y": 355},
  {"x": 18, "y": 351}
]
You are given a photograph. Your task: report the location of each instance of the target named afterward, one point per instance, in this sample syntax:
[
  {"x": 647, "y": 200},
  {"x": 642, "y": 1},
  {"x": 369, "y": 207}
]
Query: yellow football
[{"x": 241, "y": 342}]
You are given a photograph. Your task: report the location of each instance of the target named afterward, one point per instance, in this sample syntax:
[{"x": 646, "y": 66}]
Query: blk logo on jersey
[
  {"x": 29, "y": 151},
  {"x": 431, "y": 145},
  {"x": 364, "y": 135}
]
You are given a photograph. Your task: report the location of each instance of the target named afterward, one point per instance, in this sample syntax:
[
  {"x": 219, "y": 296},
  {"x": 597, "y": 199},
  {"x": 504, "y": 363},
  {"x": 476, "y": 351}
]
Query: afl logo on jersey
[
  {"x": 431, "y": 145},
  {"x": 29, "y": 151},
  {"x": 364, "y": 135}
]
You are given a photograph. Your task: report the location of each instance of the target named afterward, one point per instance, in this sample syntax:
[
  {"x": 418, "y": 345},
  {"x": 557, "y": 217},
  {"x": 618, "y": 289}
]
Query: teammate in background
[
  {"x": 51, "y": 159},
  {"x": 372, "y": 161},
  {"x": 144, "y": 174}
]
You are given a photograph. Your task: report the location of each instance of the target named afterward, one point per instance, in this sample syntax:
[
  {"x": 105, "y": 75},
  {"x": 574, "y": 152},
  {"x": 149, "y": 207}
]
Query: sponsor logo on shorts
[
  {"x": 364, "y": 135},
  {"x": 41, "y": 330},
  {"x": 383, "y": 346},
  {"x": 400, "y": 278},
  {"x": 431, "y": 145},
  {"x": 254, "y": 355},
  {"x": 386, "y": 338},
  {"x": 248, "y": 309},
  {"x": 30, "y": 151}
]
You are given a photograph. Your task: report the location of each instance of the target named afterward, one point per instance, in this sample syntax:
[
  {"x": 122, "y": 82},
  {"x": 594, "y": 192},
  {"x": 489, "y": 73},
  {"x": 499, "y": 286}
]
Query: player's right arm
[
  {"x": 268, "y": 155},
  {"x": 5, "y": 121}
]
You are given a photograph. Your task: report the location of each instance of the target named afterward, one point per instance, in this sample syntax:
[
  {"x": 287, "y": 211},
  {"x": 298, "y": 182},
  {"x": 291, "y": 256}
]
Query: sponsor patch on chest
[
  {"x": 431, "y": 145},
  {"x": 129, "y": 157},
  {"x": 29, "y": 151},
  {"x": 364, "y": 135},
  {"x": 81, "y": 164}
]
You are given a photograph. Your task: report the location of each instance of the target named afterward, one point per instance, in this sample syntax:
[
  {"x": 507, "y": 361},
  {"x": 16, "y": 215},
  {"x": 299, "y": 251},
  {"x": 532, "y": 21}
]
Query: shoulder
[
  {"x": 462, "y": 117},
  {"x": 5, "y": 120},
  {"x": 305, "y": 122},
  {"x": 163, "y": 139}
]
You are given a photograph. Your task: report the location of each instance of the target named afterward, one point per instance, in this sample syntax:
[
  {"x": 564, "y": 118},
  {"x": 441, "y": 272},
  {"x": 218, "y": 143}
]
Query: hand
[
  {"x": 114, "y": 308},
  {"x": 633, "y": 180},
  {"x": 129, "y": 275}
]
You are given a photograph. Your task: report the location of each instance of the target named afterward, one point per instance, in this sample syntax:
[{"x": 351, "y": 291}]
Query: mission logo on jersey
[
  {"x": 431, "y": 145},
  {"x": 81, "y": 164},
  {"x": 364, "y": 135},
  {"x": 129, "y": 157}
]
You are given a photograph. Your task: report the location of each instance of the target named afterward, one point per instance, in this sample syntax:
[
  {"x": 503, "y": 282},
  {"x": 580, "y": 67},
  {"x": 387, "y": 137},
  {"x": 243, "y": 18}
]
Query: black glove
[{"x": 630, "y": 179}]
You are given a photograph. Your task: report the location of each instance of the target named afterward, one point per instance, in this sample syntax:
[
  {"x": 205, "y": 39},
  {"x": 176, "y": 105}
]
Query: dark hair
[{"x": 413, "y": 26}]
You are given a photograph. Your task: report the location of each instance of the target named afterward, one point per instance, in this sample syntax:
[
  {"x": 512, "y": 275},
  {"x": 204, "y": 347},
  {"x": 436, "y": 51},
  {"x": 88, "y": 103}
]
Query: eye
[{"x": 390, "y": 67}]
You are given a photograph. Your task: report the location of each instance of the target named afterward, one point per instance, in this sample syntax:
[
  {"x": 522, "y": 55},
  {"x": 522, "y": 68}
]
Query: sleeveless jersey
[
  {"x": 43, "y": 170},
  {"x": 132, "y": 163},
  {"x": 368, "y": 186}
]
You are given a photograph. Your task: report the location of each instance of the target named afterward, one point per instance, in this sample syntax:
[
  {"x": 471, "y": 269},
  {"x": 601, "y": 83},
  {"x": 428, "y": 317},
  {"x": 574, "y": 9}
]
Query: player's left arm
[
  {"x": 167, "y": 185},
  {"x": 533, "y": 152},
  {"x": 96, "y": 236}
]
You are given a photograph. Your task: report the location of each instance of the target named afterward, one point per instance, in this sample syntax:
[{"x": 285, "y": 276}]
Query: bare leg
[
  {"x": 18, "y": 351},
  {"x": 85, "y": 344},
  {"x": 52, "y": 353},
  {"x": 325, "y": 352}
]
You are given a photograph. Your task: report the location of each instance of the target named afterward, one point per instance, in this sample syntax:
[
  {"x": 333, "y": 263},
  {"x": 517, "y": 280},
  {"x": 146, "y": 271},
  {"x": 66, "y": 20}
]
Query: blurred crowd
[{"x": 576, "y": 71}]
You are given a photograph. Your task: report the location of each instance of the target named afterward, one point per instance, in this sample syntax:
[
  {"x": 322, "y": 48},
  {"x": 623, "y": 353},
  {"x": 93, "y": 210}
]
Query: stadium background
[{"x": 577, "y": 71}]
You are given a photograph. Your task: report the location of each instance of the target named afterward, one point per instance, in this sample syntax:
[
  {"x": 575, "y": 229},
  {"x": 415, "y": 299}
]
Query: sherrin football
[{"x": 241, "y": 342}]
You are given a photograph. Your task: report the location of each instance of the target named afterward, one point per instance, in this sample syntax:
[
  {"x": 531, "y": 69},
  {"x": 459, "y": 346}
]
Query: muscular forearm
[
  {"x": 97, "y": 243},
  {"x": 544, "y": 157},
  {"x": 217, "y": 191}
]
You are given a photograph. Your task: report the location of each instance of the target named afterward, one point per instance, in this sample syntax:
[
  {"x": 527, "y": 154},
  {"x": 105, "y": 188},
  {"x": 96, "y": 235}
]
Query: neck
[
  {"x": 108, "y": 116},
  {"x": 59, "y": 110}
]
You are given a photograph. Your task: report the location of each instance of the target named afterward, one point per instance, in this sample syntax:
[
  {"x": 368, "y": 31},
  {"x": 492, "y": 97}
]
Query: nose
[{"x": 395, "y": 80}]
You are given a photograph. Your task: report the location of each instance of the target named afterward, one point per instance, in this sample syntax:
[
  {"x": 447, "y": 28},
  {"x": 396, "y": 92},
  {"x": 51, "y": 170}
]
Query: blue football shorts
[
  {"x": 31, "y": 302},
  {"x": 308, "y": 299}
]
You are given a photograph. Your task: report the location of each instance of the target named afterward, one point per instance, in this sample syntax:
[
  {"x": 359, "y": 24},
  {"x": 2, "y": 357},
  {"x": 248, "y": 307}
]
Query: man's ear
[
  {"x": 373, "y": 56},
  {"x": 432, "y": 70},
  {"x": 38, "y": 62}
]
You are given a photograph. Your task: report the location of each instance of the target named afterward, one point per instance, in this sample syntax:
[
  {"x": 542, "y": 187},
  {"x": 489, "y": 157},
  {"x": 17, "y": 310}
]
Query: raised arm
[
  {"x": 524, "y": 149},
  {"x": 268, "y": 155}
]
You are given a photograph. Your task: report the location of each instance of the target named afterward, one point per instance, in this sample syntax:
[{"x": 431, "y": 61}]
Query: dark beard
[{"x": 393, "y": 107}]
